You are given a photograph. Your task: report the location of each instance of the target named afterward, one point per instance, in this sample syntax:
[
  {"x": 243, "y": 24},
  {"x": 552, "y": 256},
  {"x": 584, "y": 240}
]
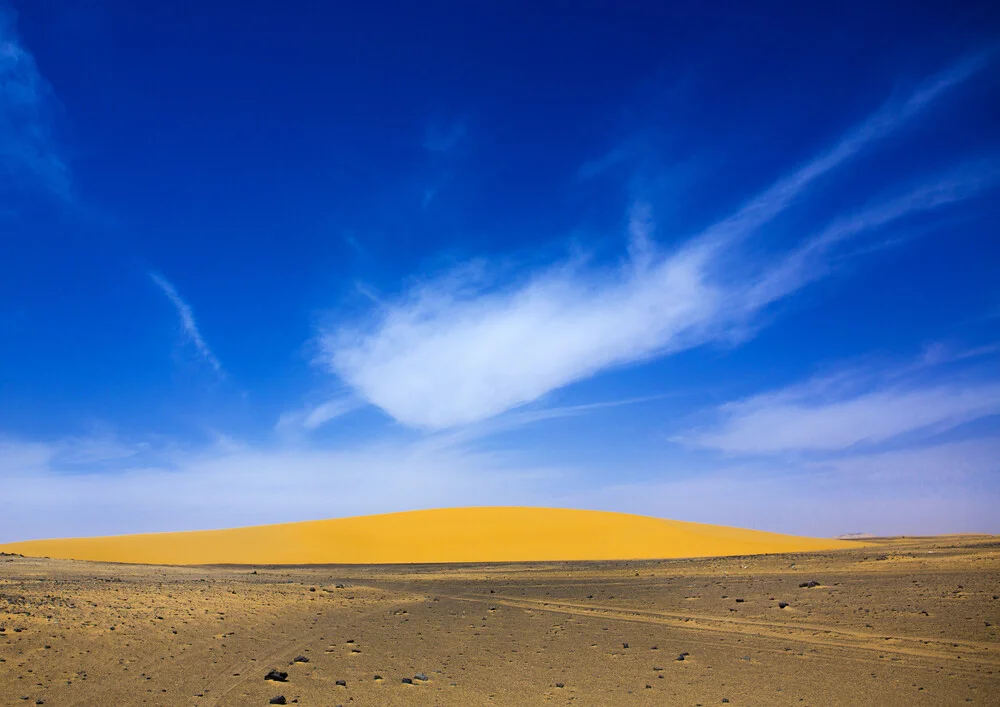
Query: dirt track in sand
[{"x": 906, "y": 621}]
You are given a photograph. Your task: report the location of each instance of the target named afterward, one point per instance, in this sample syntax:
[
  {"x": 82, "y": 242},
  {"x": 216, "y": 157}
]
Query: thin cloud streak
[
  {"x": 821, "y": 416},
  {"x": 450, "y": 352},
  {"x": 27, "y": 104},
  {"x": 187, "y": 321},
  {"x": 312, "y": 418}
]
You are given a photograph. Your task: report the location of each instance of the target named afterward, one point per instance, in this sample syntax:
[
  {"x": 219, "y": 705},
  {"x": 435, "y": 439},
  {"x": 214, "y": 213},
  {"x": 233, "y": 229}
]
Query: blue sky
[{"x": 280, "y": 261}]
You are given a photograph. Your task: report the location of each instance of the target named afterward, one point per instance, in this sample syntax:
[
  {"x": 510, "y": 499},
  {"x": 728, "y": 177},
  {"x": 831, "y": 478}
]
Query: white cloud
[
  {"x": 27, "y": 105},
  {"x": 187, "y": 321},
  {"x": 311, "y": 418},
  {"x": 830, "y": 414},
  {"x": 452, "y": 351}
]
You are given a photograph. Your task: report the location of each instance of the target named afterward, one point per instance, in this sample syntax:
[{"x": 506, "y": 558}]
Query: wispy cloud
[
  {"x": 313, "y": 417},
  {"x": 454, "y": 351},
  {"x": 187, "y": 321},
  {"x": 444, "y": 138},
  {"x": 850, "y": 409},
  {"x": 28, "y": 152}
]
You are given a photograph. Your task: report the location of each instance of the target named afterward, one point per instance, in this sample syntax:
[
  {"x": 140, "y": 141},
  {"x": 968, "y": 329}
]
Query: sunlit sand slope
[{"x": 492, "y": 534}]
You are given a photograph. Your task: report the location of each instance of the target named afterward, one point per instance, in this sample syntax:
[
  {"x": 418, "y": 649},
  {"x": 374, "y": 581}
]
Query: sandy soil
[{"x": 903, "y": 622}]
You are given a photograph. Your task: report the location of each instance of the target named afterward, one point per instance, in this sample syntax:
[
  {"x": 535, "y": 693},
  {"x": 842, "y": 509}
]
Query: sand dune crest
[{"x": 486, "y": 534}]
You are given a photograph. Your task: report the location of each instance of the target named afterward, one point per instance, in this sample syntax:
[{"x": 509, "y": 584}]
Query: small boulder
[
  {"x": 782, "y": 604},
  {"x": 407, "y": 681},
  {"x": 300, "y": 659},
  {"x": 421, "y": 677},
  {"x": 342, "y": 683},
  {"x": 278, "y": 700},
  {"x": 276, "y": 676}
]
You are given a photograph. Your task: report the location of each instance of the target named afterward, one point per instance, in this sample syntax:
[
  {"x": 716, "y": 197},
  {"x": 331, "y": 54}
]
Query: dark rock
[
  {"x": 378, "y": 677},
  {"x": 809, "y": 585},
  {"x": 740, "y": 601},
  {"x": 725, "y": 700},
  {"x": 300, "y": 659},
  {"x": 682, "y": 656},
  {"x": 338, "y": 586},
  {"x": 276, "y": 676},
  {"x": 342, "y": 683},
  {"x": 559, "y": 684},
  {"x": 407, "y": 681},
  {"x": 782, "y": 604},
  {"x": 624, "y": 645},
  {"x": 421, "y": 676},
  {"x": 279, "y": 700}
]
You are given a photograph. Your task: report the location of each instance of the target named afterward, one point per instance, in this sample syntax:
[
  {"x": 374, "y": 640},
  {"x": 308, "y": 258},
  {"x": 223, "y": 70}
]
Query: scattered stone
[
  {"x": 682, "y": 656},
  {"x": 782, "y": 604},
  {"x": 279, "y": 700},
  {"x": 624, "y": 645},
  {"x": 407, "y": 681},
  {"x": 342, "y": 683},
  {"x": 559, "y": 684},
  {"x": 338, "y": 586},
  {"x": 809, "y": 585},
  {"x": 378, "y": 677},
  {"x": 300, "y": 659},
  {"x": 276, "y": 676},
  {"x": 725, "y": 700},
  {"x": 421, "y": 676}
]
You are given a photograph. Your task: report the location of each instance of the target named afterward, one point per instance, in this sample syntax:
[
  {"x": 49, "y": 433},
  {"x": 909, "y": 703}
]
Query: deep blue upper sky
[{"x": 265, "y": 261}]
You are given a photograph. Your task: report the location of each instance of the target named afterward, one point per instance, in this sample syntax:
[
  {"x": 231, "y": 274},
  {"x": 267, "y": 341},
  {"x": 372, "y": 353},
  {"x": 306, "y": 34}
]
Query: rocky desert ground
[{"x": 903, "y": 621}]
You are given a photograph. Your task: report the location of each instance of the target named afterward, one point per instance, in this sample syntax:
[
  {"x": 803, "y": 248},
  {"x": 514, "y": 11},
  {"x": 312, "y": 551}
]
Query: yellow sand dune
[{"x": 490, "y": 534}]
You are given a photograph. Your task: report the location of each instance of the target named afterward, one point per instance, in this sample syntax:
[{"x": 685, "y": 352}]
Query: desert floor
[{"x": 905, "y": 622}]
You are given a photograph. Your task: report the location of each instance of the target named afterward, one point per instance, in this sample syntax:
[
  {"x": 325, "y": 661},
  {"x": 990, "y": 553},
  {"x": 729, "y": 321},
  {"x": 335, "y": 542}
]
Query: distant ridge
[{"x": 482, "y": 534}]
